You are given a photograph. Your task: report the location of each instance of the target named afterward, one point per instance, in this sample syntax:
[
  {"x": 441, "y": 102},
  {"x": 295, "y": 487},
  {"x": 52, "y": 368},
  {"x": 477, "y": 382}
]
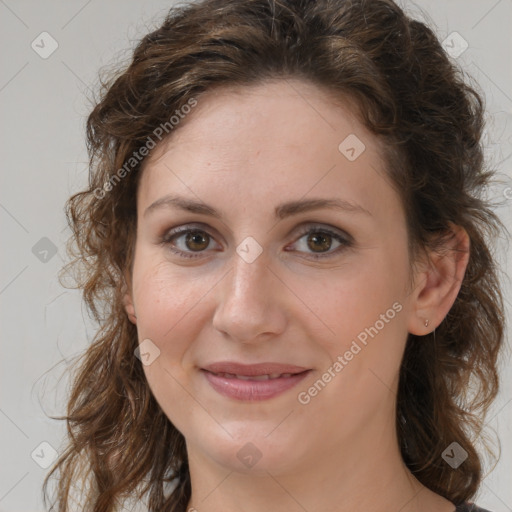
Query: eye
[
  {"x": 187, "y": 240},
  {"x": 319, "y": 240},
  {"x": 196, "y": 240}
]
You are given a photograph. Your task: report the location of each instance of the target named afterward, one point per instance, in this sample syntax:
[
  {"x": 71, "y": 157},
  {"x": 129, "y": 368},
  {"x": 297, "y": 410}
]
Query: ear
[
  {"x": 438, "y": 282},
  {"x": 128, "y": 302}
]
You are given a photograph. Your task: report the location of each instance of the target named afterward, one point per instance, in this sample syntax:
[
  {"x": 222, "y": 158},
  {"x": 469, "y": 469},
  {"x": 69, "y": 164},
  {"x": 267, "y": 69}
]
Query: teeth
[{"x": 254, "y": 377}]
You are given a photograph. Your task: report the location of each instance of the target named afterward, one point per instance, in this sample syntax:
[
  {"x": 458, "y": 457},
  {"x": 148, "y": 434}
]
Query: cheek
[
  {"x": 168, "y": 305},
  {"x": 368, "y": 294},
  {"x": 166, "y": 302},
  {"x": 367, "y": 312}
]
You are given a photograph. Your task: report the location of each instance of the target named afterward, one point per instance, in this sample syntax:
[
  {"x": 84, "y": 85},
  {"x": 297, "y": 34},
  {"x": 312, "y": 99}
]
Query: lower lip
[{"x": 253, "y": 389}]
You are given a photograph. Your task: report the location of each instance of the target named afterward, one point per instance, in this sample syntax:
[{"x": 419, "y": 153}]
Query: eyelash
[{"x": 345, "y": 242}]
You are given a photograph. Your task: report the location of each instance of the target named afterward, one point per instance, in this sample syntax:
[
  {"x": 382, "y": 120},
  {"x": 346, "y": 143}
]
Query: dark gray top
[{"x": 470, "y": 507}]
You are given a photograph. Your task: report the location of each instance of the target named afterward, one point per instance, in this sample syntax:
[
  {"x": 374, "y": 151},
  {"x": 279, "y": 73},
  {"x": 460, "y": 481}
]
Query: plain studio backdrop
[{"x": 44, "y": 91}]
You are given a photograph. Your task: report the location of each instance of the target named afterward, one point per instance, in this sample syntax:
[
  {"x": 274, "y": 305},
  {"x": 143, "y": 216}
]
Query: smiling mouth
[{"x": 252, "y": 388}]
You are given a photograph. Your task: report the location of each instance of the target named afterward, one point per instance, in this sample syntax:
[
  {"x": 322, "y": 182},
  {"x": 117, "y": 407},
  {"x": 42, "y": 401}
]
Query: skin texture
[{"x": 244, "y": 151}]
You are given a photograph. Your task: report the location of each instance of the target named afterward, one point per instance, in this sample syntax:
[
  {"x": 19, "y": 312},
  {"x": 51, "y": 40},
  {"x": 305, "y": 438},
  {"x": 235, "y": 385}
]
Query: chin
[{"x": 254, "y": 453}]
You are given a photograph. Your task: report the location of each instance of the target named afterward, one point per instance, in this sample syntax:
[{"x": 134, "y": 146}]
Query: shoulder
[{"x": 470, "y": 507}]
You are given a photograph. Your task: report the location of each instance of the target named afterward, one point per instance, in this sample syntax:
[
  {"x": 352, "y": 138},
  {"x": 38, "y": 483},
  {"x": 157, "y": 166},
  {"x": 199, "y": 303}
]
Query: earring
[{"x": 426, "y": 322}]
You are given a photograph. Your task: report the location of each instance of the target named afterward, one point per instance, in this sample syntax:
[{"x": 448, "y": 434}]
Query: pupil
[
  {"x": 193, "y": 238},
  {"x": 321, "y": 238}
]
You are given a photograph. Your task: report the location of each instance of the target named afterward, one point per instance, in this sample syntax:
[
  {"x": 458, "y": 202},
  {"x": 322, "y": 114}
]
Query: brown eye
[
  {"x": 319, "y": 242},
  {"x": 186, "y": 241},
  {"x": 196, "y": 240}
]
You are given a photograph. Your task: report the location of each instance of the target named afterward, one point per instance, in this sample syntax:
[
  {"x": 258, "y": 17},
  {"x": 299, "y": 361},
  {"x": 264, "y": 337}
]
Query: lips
[{"x": 253, "y": 382}]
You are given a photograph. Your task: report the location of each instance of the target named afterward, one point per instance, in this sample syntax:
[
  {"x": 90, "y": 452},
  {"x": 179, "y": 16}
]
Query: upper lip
[{"x": 251, "y": 370}]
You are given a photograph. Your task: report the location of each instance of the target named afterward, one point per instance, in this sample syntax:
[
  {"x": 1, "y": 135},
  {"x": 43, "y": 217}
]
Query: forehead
[
  {"x": 267, "y": 141},
  {"x": 277, "y": 112}
]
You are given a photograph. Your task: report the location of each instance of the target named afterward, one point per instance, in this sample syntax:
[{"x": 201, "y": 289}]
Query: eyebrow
[{"x": 280, "y": 212}]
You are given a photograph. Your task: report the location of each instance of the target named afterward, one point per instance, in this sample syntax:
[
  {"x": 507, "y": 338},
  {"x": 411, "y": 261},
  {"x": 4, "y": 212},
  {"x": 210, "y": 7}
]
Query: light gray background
[{"x": 43, "y": 108}]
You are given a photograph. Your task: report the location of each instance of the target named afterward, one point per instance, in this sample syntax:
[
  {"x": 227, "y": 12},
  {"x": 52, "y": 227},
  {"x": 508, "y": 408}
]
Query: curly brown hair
[{"x": 408, "y": 93}]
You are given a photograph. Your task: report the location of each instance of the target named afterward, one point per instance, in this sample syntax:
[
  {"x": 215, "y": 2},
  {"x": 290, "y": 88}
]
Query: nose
[{"x": 251, "y": 301}]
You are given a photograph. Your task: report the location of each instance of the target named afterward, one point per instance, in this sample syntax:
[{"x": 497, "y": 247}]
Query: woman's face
[{"x": 250, "y": 286}]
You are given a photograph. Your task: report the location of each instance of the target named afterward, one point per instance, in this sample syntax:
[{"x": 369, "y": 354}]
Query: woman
[{"x": 285, "y": 244}]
